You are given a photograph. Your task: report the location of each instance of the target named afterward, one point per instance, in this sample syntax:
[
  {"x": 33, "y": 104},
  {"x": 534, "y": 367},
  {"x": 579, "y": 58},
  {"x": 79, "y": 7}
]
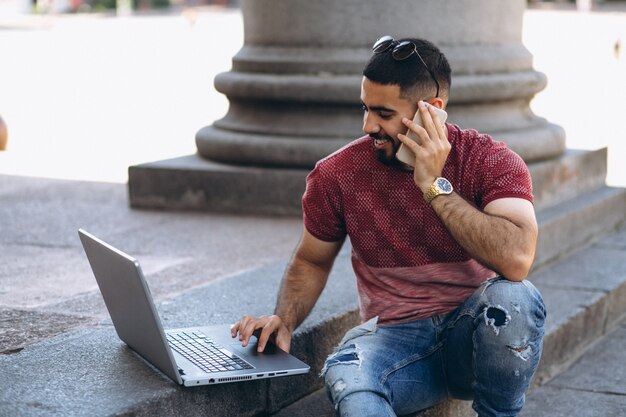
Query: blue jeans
[{"x": 486, "y": 350}]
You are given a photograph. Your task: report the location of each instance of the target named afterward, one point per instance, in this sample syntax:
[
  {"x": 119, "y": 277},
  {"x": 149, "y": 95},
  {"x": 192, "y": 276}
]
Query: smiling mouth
[{"x": 380, "y": 141}]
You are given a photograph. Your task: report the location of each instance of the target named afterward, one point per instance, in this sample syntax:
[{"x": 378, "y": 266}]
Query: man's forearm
[
  {"x": 301, "y": 287},
  {"x": 496, "y": 242}
]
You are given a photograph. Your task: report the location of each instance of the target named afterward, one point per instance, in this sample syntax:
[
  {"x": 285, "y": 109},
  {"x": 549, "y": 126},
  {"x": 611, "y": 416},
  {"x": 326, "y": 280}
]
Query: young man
[{"x": 440, "y": 252}]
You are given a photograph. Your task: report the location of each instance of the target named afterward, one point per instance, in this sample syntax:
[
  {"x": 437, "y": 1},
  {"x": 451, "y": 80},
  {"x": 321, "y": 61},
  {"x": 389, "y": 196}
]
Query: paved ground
[{"x": 46, "y": 285}]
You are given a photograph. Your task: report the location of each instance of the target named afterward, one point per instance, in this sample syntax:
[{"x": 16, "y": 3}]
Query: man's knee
[
  {"x": 505, "y": 300},
  {"x": 512, "y": 317},
  {"x": 344, "y": 374}
]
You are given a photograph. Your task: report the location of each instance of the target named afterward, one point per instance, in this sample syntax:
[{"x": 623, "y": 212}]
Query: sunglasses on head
[{"x": 401, "y": 51}]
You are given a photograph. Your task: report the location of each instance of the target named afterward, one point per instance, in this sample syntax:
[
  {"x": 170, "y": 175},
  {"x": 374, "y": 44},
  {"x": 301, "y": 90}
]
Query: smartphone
[{"x": 404, "y": 154}]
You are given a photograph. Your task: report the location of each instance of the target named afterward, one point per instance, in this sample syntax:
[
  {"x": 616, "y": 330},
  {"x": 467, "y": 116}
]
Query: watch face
[{"x": 444, "y": 185}]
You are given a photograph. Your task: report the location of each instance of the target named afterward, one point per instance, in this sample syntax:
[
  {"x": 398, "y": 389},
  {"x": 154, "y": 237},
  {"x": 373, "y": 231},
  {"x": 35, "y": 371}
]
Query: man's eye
[
  {"x": 385, "y": 116},
  {"x": 363, "y": 107}
]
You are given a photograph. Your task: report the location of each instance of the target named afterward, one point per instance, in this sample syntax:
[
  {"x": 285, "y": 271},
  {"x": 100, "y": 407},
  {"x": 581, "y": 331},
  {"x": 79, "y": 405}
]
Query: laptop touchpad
[{"x": 250, "y": 350}]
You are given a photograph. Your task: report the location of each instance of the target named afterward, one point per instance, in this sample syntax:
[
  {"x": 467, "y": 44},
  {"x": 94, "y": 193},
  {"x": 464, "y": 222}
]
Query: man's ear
[{"x": 437, "y": 102}]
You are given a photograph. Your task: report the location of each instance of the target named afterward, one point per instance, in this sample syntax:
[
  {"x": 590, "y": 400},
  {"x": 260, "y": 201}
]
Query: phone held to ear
[{"x": 404, "y": 154}]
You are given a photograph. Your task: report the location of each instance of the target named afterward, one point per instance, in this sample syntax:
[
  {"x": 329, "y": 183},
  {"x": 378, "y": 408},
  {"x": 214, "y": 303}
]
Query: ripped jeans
[{"x": 486, "y": 350}]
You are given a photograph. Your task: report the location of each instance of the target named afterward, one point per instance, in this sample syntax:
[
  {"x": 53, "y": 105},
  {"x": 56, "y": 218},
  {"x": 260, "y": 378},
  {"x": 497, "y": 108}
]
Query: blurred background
[{"x": 90, "y": 87}]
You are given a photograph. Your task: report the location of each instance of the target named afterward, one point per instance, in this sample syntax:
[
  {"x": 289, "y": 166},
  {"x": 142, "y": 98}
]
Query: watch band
[
  {"x": 436, "y": 189},
  {"x": 431, "y": 193}
]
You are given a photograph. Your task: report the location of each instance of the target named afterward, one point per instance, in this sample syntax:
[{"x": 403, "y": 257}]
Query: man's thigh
[{"x": 400, "y": 363}]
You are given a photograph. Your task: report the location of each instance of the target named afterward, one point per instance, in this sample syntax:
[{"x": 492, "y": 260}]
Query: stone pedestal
[{"x": 294, "y": 95}]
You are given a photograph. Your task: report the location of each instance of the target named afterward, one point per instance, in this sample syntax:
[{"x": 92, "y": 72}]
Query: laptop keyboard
[{"x": 205, "y": 353}]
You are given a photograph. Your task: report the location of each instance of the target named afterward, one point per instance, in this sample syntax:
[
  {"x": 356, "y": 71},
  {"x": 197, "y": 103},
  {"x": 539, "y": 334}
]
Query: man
[{"x": 440, "y": 252}]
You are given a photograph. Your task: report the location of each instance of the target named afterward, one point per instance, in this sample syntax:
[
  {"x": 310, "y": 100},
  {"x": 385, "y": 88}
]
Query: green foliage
[
  {"x": 153, "y": 4},
  {"x": 101, "y": 5}
]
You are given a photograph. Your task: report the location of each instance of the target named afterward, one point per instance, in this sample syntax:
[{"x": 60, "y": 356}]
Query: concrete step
[
  {"x": 585, "y": 294},
  {"x": 593, "y": 379},
  {"x": 90, "y": 372},
  {"x": 94, "y": 365},
  {"x": 595, "y": 385},
  {"x": 575, "y": 222},
  {"x": 573, "y": 173},
  {"x": 194, "y": 183}
]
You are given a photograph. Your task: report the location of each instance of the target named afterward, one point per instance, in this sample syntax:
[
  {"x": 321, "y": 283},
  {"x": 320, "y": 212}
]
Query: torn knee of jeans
[
  {"x": 496, "y": 317},
  {"x": 349, "y": 355}
]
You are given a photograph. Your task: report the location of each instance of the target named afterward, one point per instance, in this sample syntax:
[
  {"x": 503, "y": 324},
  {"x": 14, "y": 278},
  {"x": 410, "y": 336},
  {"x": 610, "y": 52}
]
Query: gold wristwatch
[{"x": 440, "y": 186}]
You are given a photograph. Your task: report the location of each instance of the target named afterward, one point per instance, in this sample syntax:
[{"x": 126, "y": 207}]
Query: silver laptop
[{"x": 189, "y": 356}]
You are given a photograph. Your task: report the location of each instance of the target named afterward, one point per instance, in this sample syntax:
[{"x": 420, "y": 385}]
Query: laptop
[{"x": 189, "y": 356}]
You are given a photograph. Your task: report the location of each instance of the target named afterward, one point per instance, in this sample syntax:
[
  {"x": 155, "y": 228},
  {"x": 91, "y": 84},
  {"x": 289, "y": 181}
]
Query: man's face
[{"x": 383, "y": 110}]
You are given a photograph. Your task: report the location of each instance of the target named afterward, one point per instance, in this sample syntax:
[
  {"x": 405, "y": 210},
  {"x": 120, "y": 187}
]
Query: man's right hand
[
  {"x": 302, "y": 285},
  {"x": 265, "y": 328}
]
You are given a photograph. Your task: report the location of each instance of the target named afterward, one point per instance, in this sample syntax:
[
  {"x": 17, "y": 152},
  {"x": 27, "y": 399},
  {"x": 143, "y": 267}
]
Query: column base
[{"x": 194, "y": 183}]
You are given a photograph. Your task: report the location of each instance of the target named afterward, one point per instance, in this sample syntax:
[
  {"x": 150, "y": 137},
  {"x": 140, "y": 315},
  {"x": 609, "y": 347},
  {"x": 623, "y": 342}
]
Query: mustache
[{"x": 380, "y": 136}]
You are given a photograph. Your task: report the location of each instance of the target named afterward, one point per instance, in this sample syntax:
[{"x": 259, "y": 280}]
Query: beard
[{"x": 382, "y": 155}]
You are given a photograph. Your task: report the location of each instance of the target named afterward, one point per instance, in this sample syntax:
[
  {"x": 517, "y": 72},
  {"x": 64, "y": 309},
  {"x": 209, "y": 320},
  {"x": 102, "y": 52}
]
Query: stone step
[
  {"x": 575, "y": 172},
  {"x": 595, "y": 385},
  {"x": 585, "y": 295},
  {"x": 194, "y": 183},
  {"x": 94, "y": 365},
  {"x": 570, "y": 224}
]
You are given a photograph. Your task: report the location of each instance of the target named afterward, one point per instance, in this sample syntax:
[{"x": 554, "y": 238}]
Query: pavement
[
  {"x": 62, "y": 356},
  {"x": 72, "y": 139},
  {"x": 56, "y": 341},
  {"x": 46, "y": 285}
]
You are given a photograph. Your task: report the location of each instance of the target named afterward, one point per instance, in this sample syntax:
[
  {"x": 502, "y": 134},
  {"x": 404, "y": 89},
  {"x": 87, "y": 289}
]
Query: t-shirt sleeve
[
  {"x": 321, "y": 207},
  {"x": 504, "y": 175}
]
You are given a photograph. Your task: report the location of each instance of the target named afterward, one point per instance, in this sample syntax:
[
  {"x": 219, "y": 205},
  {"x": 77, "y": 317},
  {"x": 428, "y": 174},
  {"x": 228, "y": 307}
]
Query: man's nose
[{"x": 370, "y": 126}]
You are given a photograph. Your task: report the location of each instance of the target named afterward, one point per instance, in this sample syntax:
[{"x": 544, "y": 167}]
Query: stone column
[
  {"x": 294, "y": 86},
  {"x": 294, "y": 98}
]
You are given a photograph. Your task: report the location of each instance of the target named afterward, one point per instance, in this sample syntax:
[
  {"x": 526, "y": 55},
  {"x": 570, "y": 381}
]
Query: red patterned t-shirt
[{"x": 407, "y": 264}]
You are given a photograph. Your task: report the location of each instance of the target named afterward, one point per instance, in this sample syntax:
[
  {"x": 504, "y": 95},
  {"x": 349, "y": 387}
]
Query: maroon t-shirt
[{"x": 407, "y": 264}]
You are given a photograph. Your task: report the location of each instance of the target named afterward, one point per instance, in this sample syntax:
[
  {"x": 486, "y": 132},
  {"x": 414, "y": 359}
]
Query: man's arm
[
  {"x": 301, "y": 286},
  {"x": 503, "y": 236}
]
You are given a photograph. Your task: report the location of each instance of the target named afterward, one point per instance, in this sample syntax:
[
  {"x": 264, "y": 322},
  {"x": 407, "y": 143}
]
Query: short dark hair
[{"x": 410, "y": 74}]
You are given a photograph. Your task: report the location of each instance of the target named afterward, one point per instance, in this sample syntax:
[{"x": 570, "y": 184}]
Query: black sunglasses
[{"x": 401, "y": 51}]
